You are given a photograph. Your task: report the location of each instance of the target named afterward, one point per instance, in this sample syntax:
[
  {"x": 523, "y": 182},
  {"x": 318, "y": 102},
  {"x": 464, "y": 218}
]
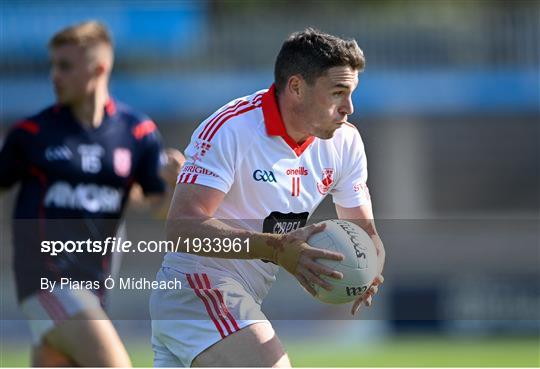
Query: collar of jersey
[
  {"x": 274, "y": 123},
  {"x": 110, "y": 107}
]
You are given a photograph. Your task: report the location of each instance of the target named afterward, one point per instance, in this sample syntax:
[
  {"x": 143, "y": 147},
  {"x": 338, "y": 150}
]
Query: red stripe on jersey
[
  {"x": 194, "y": 178},
  {"x": 208, "y": 125},
  {"x": 206, "y": 305},
  {"x": 293, "y": 191},
  {"x": 143, "y": 129},
  {"x": 257, "y": 98},
  {"x": 222, "y": 303},
  {"x": 180, "y": 178},
  {"x": 110, "y": 107},
  {"x": 226, "y": 113},
  {"x": 28, "y": 126},
  {"x": 226, "y": 118},
  {"x": 186, "y": 179},
  {"x": 297, "y": 186}
]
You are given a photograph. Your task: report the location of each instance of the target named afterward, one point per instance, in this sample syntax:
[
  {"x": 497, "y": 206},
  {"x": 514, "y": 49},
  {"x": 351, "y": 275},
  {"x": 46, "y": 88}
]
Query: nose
[{"x": 347, "y": 108}]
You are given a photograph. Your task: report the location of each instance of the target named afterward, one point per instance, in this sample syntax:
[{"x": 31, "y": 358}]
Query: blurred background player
[
  {"x": 263, "y": 163},
  {"x": 77, "y": 162}
]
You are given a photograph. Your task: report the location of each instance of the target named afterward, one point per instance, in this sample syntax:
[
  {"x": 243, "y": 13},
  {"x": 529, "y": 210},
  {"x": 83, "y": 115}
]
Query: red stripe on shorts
[
  {"x": 208, "y": 310},
  {"x": 222, "y": 302},
  {"x": 217, "y": 310}
]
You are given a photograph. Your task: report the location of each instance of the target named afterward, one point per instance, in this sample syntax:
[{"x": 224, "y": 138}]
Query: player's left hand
[
  {"x": 367, "y": 297},
  {"x": 175, "y": 161}
]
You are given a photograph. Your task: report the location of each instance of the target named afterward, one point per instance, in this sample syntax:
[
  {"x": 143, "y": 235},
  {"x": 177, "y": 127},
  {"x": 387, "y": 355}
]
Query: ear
[{"x": 296, "y": 86}]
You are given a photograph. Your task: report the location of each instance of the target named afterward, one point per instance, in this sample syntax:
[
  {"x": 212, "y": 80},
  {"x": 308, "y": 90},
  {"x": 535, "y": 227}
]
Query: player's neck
[
  {"x": 293, "y": 125},
  {"x": 90, "y": 111}
]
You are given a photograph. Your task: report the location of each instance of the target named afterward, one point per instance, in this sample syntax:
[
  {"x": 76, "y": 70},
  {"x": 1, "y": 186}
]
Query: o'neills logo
[
  {"x": 324, "y": 185},
  {"x": 197, "y": 170},
  {"x": 300, "y": 171}
]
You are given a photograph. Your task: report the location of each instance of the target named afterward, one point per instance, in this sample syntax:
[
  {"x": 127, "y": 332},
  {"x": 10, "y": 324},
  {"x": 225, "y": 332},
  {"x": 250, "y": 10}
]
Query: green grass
[
  {"x": 423, "y": 352},
  {"x": 401, "y": 352}
]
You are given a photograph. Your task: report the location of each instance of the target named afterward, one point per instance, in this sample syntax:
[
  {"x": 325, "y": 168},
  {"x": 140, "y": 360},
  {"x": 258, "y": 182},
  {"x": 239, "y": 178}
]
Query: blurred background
[{"x": 448, "y": 108}]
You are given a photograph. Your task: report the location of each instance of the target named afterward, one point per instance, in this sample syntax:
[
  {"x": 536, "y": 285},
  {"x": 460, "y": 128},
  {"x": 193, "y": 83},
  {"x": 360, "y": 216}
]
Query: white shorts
[
  {"x": 44, "y": 310},
  {"x": 210, "y": 306}
]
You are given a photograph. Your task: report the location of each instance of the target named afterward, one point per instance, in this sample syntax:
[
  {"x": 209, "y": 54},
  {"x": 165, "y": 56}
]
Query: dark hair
[{"x": 311, "y": 52}]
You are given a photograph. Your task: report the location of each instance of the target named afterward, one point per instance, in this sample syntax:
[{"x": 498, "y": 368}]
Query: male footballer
[
  {"x": 257, "y": 169},
  {"x": 76, "y": 162}
]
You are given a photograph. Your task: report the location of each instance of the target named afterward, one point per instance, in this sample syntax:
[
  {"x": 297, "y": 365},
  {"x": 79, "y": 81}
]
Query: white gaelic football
[{"x": 359, "y": 267}]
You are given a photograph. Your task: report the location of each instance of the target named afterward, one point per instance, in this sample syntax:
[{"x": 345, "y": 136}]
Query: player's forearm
[
  {"x": 214, "y": 238},
  {"x": 155, "y": 205},
  {"x": 368, "y": 225},
  {"x": 381, "y": 253}
]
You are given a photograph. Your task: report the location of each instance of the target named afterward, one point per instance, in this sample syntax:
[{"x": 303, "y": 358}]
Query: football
[{"x": 359, "y": 267}]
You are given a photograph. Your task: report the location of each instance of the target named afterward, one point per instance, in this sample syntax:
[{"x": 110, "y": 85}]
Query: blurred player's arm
[
  {"x": 11, "y": 158},
  {"x": 157, "y": 203},
  {"x": 363, "y": 217},
  {"x": 191, "y": 216}
]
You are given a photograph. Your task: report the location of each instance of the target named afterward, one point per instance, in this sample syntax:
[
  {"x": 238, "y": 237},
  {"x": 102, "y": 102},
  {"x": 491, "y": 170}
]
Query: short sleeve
[
  {"x": 210, "y": 161},
  {"x": 151, "y": 160},
  {"x": 12, "y": 158},
  {"x": 351, "y": 188}
]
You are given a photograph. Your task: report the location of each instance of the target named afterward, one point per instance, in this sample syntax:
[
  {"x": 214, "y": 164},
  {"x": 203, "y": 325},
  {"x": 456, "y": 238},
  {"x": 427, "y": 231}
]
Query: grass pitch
[{"x": 405, "y": 351}]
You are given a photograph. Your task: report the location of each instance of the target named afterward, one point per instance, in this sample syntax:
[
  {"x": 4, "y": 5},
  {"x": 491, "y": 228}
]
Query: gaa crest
[
  {"x": 327, "y": 180},
  {"x": 122, "y": 162}
]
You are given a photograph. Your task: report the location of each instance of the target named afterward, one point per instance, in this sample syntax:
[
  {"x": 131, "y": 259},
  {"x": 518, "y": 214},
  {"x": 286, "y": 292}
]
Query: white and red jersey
[{"x": 271, "y": 183}]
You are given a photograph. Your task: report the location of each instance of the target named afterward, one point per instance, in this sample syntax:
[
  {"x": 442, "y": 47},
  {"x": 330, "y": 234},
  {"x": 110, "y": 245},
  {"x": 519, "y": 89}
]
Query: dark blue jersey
[{"x": 74, "y": 185}]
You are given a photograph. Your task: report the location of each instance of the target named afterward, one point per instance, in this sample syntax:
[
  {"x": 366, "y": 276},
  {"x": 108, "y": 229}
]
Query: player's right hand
[{"x": 299, "y": 259}]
